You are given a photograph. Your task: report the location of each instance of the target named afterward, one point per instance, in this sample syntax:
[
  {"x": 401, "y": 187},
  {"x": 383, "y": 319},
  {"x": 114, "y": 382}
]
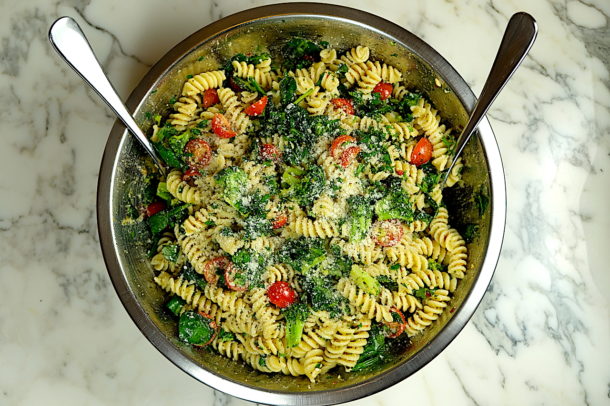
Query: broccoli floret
[
  {"x": 302, "y": 254},
  {"x": 360, "y": 218},
  {"x": 365, "y": 281},
  {"x": 234, "y": 181},
  {"x": 304, "y": 185},
  {"x": 323, "y": 296},
  {"x": 295, "y": 316},
  {"x": 395, "y": 205}
]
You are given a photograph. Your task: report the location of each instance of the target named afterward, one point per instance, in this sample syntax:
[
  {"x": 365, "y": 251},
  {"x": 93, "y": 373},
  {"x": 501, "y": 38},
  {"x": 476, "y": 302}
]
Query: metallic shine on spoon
[
  {"x": 71, "y": 44},
  {"x": 518, "y": 38}
]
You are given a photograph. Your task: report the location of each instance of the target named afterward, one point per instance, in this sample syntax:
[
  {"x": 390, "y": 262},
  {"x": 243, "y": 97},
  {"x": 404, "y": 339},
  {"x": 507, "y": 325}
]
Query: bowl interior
[{"x": 129, "y": 266}]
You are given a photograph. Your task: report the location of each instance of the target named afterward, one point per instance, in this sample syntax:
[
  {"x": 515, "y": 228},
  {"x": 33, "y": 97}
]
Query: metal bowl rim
[{"x": 379, "y": 382}]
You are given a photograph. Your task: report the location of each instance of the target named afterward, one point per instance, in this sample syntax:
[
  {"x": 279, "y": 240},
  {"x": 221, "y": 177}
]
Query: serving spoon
[
  {"x": 71, "y": 44},
  {"x": 518, "y": 38}
]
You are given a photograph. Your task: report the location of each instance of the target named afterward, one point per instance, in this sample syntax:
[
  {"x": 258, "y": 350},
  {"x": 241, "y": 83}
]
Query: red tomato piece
[
  {"x": 154, "y": 208},
  {"x": 210, "y": 98},
  {"x": 280, "y": 221},
  {"x": 190, "y": 173},
  {"x": 384, "y": 90},
  {"x": 400, "y": 172},
  {"x": 343, "y": 104},
  {"x": 270, "y": 152},
  {"x": 222, "y": 127},
  {"x": 338, "y": 142},
  {"x": 231, "y": 272},
  {"x": 211, "y": 266},
  {"x": 348, "y": 155},
  {"x": 281, "y": 294},
  {"x": 398, "y": 328},
  {"x": 422, "y": 152},
  {"x": 257, "y": 107},
  {"x": 387, "y": 233},
  {"x": 234, "y": 86},
  {"x": 200, "y": 153}
]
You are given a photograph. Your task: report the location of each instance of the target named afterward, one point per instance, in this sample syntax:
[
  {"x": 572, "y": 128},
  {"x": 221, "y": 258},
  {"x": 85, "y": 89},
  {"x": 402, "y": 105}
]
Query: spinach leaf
[
  {"x": 171, "y": 252},
  {"x": 288, "y": 88},
  {"x": 194, "y": 329}
]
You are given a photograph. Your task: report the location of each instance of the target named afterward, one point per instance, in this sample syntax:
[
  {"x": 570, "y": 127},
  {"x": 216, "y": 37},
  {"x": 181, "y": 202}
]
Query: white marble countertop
[{"x": 541, "y": 334}]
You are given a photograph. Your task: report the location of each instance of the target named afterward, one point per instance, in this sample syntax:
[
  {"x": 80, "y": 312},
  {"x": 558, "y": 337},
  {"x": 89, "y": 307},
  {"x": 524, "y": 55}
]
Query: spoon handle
[
  {"x": 518, "y": 38},
  {"x": 71, "y": 44}
]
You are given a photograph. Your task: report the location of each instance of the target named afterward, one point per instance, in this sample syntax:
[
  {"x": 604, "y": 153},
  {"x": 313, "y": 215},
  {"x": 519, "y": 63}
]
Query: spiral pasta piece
[
  {"x": 233, "y": 110},
  {"x": 364, "y": 302},
  {"x": 202, "y": 82},
  {"x": 246, "y": 70},
  {"x": 189, "y": 293}
]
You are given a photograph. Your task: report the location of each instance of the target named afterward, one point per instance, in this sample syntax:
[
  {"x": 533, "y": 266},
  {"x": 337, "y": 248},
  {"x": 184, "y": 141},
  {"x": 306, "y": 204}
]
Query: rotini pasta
[{"x": 297, "y": 226}]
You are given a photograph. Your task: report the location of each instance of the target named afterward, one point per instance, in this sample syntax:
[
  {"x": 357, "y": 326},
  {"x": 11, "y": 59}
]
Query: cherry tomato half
[
  {"x": 338, "y": 142},
  {"x": 200, "y": 153},
  {"x": 280, "y": 221},
  {"x": 211, "y": 266},
  {"x": 281, "y": 294},
  {"x": 154, "y": 208},
  {"x": 398, "y": 328},
  {"x": 222, "y": 127},
  {"x": 422, "y": 152},
  {"x": 257, "y": 107},
  {"x": 210, "y": 98},
  {"x": 231, "y": 272},
  {"x": 348, "y": 155},
  {"x": 343, "y": 104},
  {"x": 387, "y": 233},
  {"x": 384, "y": 90},
  {"x": 270, "y": 152}
]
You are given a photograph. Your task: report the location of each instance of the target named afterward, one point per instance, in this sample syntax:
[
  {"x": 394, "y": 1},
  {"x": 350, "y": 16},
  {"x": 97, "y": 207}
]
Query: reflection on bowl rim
[{"x": 378, "y": 382}]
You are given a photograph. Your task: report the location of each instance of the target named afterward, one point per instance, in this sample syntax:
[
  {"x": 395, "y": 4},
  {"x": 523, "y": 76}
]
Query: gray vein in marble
[{"x": 461, "y": 382}]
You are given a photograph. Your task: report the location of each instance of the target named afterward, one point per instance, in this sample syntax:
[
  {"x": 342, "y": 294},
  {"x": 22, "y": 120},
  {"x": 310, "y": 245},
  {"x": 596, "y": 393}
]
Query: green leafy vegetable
[
  {"x": 300, "y": 53},
  {"x": 295, "y": 316},
  {"x": 482, "y": 201},
  {"x": 365, "y": 281},
  {"x": 225, "y": 336},
  {"x": 166, "y": 218},
  {"x": 233, "y": 181},
  {"x": 403, "y": 106},
  {"x": 360, "y": 218},
  {"x": 191, "y": 275},
  {"x": 302, "y": 254},
  {"x": 162, "y": 191},
  {"x": 304, "y": 185},
  {"x": 195, "y": 329},
  {"x": 423, "y": 293},
  {"x": 251, "y": 266},
  {"x": 171, "y": 252},
  {"x": 471, "y": 231},
  {"x": 322, "y": 295},
  {"x": 395, "y": 205},
  {"x": 288, "y": 88},
  {"x": 375, "y": 351},
  {"x": 387, "y": 282},
  {"x": 175, "y": 305}
]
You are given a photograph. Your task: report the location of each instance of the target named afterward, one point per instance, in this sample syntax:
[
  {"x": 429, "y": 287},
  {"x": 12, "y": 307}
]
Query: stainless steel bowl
[{"x": 124, "y": 246}]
